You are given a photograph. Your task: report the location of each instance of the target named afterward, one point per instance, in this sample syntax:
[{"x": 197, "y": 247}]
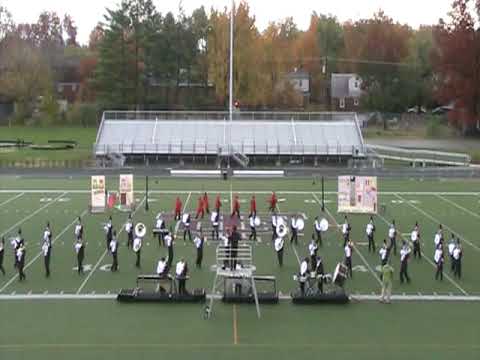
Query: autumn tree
[{"x": 457, "y": 64}]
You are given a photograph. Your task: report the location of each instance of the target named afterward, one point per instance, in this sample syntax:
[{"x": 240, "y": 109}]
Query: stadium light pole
[{"x": 230, "y": 85}]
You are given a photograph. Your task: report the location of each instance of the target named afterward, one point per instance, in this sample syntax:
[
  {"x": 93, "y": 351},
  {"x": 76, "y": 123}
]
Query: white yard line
[
  {"x": 32, "y": 215},
  {"x": 79, "y": 290},
  {"x": 356, "y": 249},
  {"x": 286, "y": 192},
  {"x": 438, "y": 222},
  {"x": 40, "y": 253},
  {"x": 358, "y": 297},
  {"x": 11, "y": 199},
  {"x": 454, "y": 283},
  {"x": 458, "y": 206}
]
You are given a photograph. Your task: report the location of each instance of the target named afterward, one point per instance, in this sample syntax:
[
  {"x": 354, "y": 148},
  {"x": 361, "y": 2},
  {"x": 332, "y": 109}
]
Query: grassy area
[
  {"x": 78, "y": 329},
  {"x": 85, "y": 137}
]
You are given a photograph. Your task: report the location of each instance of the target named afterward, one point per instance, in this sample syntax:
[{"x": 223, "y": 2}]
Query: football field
[{"x": 77, "y": 316}]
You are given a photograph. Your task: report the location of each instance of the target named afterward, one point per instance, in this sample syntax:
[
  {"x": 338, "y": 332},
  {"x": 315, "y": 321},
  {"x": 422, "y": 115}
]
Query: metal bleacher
[{"x": 211, "y": 133}]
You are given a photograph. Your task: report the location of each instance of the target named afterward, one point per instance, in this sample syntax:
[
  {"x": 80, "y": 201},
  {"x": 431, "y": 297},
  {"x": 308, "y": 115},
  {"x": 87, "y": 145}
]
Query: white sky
[{"x": 87, "y": 13}]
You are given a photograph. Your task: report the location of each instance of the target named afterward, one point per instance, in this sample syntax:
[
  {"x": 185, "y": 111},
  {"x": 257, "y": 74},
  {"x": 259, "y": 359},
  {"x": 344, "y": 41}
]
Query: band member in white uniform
[
  {"x": 319, "y": 271},
  {"x": 451, "y": 247},
  {"x": 109, "y": 231},
  {"x": 79, "y": 229},
  {"x": 294, "y": 227},
  {"x": 404, "y": 257},
  {"x": 16, "y": 243},
  {"x": 162, "y": 267},
  {"x": 348, "y": 257},
  {"x": 438, "y": 236},
  {"x": 438, "y": 258},
  {"x": 2, "y": 253},
  {"x": 346, "y": 229},
  {"x": 137, "y": 248},
  {"x": 312, "y": 250},
  {"x": 114, "y": 251},
  {"x": 279, "y": 243},
  {"x": 457, "y": 258},
  {"x": 47, "y": 248},
  {"x": 129, "y": 229},
  {"x": 181, "y": 271},
  {"x": 198, "y": 241},
  {"x": 253, "y": 227},
  {"x": 215, "y": 225},
  {"x": 80, "y": 251},
  {"x": 384, "y": 253},
  {"x": 370, "y": 230},
  {"x": 303, "y": 275},
  {"x": 318, "y": 231},
  {"x": 392, "y": 236},
  {"x": 21, "y": 254},
  {"x": 160, "y": 226},
  {"x": 186, "y": 229},
  {"x": 415, "y": 237},
  {"x": 169, "y": 244},
  {"x": 274, "y": 226}
]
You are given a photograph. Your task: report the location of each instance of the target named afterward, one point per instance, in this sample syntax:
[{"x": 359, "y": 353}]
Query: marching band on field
[{"x": 411, "y": 246}]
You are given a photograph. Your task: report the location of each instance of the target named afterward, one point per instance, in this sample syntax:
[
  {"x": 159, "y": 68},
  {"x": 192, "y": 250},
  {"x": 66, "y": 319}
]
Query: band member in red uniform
[
  {"x": 206, "y": 205},
  {"x": 200, "y": 209},
  {"x": 178, "y": 208},
  {"x": 218, "y": 204},
  {"x": 253, "y": 206},
  {"x": 236, "y": 207},
  {"x": 273, "y": 202}
]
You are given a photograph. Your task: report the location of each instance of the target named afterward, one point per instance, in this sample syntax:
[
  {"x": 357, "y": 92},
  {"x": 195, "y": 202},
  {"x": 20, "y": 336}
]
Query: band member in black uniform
[
  {"x": 215, "y": 225},
  {"x": 457, "y": 258},
  {"x": 253, "y": 227},
  {"x": 415, "y": 237},
  {"x": 392, "y": 236},
  {"x": 80, "y": 250},
  {"x": 109, "y": 232},
  {"x": 370, "y": 230},
  {"x": 303, "y": 275},
  {"x": 169, "y": 245},
  {"x": 294, "y": 228},
  {"x": 279, "y": 244},
  {"x": 2, "y": 253},
  {"x": 21, "y": 254},
  {"x": 438, "y": 258},
  {"x": 346, "y": 229},
  {"x": 181, "y": 271},
  {"x": 198, "y": 242},
  {"x": 320, "y": 272},
  {"x": 318, "y": 231},
  {"x": 312, "y": 250},
  {"x": 348, "y": 257},
  {"x": 186, "y": 229},
  {"x": 79, "y": 229},
  {"x": 137, "y": 248},
  {"x": 113, "y": 246},
  {"x": 404, "y": 257},
  {"x": 129, "y": 226},
  {"x": 47, "y": 234},
  {"x": 234, "y": 240}
]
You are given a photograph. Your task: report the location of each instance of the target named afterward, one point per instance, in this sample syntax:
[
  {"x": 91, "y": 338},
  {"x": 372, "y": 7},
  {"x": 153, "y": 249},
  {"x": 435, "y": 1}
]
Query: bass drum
[
  {"x": 324, "y": 225},
  {"x": 257, "y": 221},
  {"x": 281, "y": 230},
  {"x": 300, "y": 224}
]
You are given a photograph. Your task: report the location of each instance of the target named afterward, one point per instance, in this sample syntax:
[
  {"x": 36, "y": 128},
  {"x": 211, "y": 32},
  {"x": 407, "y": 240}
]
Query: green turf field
[{"x": 98, "y": 327}]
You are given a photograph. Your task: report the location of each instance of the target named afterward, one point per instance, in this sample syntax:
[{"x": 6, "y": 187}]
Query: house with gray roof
[{"x": 346, "y": 91}]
